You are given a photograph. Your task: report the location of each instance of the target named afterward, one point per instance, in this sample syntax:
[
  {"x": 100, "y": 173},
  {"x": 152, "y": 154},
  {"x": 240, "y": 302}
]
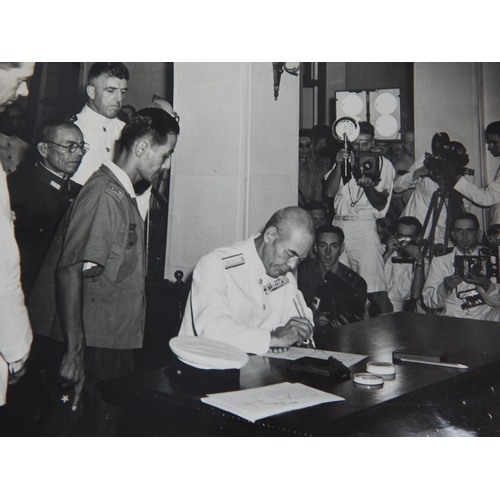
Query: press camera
[
  {"x": 404, "y": 257},
  {"x": 448, "y": 159},
  {"x": 484, "y": 264},
  {"x": 367, "y": 163},
  {"x": 338, "y": 302}
]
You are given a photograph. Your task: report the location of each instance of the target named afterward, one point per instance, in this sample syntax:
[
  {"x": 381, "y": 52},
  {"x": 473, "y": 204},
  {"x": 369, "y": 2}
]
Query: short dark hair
[
  {"x": 465, "y": 216},
  {"x": 329, "y": 229},
  {"x": 154, "y": 123},
  {"x": 319, "y": 131},
  {"x": 315, "y": 205},
  {"x": 117, "y": 69},
  {"x": 493, "y": 128},
  {"x": 411, "y": 221},
  {"x": 366, "y": 128},
  {"x": 305, "y": 132},
  {"x": 48, "y": 126}
]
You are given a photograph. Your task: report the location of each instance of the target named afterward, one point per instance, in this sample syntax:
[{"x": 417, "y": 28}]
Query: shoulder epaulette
[
  {"x": 233, "y": 260},
  {"x": 115, "y": 192}
]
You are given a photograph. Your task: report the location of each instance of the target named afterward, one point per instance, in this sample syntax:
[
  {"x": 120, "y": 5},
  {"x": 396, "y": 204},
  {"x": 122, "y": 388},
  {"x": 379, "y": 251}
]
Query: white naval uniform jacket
[
  {"x": 435, "y": 295},
  {"x": 15, "y": 329},
  {"x": 233, "y": 300},
  {"x": 100, "y": 133},
  {"x": 487, "y": 197}
]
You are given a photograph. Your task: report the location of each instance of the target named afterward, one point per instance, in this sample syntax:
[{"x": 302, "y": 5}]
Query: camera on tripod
[
  {"x": 403, "y": 256},
  {"x": 484, "y": 264},
  {"x": 448, "y": 159}
]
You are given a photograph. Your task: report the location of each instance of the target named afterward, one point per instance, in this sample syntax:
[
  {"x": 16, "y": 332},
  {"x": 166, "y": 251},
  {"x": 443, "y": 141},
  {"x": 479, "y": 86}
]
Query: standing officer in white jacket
[{"x": 15, "y": 330}]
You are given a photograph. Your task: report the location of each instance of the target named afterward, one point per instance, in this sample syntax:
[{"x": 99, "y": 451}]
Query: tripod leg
[
  {"x": 430, "y": 212},
  {"x": 435, "y": 219},
  {"x": 432, "y": 206}
]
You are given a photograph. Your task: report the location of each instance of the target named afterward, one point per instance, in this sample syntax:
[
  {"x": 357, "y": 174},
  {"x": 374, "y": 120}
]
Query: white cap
[{"x": 207, "y": 354}]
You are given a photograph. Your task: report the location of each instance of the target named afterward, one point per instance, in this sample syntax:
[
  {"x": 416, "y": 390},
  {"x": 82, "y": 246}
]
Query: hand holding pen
[
  {"x": 297, "y": 329},
  {"x": 302, "y": 314}
]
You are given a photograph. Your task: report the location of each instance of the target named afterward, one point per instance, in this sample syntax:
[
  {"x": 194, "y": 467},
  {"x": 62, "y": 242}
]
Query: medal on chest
[{"x": 275, "y": 284}]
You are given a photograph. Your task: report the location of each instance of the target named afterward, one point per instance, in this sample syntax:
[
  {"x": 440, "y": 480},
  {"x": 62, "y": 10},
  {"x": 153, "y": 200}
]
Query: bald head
[
  {"x": 291, "y": 219},
  {"x": 286, "y": 240}
]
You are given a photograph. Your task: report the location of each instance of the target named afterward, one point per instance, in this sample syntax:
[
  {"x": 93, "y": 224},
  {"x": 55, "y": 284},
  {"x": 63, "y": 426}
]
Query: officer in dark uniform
[
  {"x": 41, "y": 193},
  {"x": 335, "y": 292}
]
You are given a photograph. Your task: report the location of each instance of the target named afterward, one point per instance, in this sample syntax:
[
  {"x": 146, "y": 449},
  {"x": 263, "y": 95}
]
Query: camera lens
[{"x": 476, "y": 269}]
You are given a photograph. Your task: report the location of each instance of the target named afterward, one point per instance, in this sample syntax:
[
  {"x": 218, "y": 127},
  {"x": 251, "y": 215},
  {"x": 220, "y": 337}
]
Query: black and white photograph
[{"x": 203, "y": 253}]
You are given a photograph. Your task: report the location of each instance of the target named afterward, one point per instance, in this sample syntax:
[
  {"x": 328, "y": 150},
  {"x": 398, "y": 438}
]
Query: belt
[{"x": 353, "y": 217}]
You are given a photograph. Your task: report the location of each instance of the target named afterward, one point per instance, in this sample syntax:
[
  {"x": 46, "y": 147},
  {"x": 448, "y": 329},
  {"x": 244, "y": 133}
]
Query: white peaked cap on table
[{"x": 207, "y": 354}]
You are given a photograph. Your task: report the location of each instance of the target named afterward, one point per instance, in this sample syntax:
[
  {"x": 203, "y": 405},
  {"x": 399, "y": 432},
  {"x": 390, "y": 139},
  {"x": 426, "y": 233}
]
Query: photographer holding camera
[
  {"x": 360, "y": 198},
  {"x": 459, "y": 283},
  {"x": 404, "y": 271},
  {"x": 431, "y": 173},
  {"x": 489, "y": 196}
]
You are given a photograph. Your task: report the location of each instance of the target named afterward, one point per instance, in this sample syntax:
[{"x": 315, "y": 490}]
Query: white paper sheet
[
  {"x": 261, "y": 402},
  {"x": 347, "y": 358}
]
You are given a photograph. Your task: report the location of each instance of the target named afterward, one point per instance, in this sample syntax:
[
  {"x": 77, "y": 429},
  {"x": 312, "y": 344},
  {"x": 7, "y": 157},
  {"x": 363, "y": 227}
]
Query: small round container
[
  {"x": 368, "y": 380},
  {"x": 385, "y": 370}
]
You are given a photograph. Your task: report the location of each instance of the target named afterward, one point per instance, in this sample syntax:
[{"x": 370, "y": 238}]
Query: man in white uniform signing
[
  {"x": 245, "y": 294},
  {"x": 358, "y": 204}
]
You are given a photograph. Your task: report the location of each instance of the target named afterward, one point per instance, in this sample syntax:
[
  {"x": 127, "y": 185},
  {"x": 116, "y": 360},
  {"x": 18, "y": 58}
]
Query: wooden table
[{"x": 421, "y": 400}]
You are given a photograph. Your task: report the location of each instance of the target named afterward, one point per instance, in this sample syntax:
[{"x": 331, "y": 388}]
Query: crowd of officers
[
  {"x": 77, "y": 213},
  {"x": 354, "y": 248}
]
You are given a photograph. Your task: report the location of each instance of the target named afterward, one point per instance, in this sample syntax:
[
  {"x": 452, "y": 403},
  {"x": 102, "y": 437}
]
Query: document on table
[
  {"x": 347, "y": 358},
  {"x": 261, "y": 402}
]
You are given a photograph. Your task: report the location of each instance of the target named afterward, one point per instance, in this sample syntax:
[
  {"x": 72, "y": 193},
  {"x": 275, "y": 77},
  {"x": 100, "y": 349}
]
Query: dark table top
[{"x": 470, "y": 342}]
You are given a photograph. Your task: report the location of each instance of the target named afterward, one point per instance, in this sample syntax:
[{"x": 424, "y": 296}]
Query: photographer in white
[
  {"x": 405, "y": 265},
  {"x": 431, "y": 174},
  {"x": 360, "y": 198},
  {"x": 458, "y": 283}
]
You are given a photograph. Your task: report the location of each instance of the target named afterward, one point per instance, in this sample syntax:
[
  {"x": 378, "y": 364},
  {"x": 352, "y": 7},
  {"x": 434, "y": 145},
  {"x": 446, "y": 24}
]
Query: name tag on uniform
[
  {"x": 55, "y": 185},
  {"x": 233, "y": 261},
  {"x": 471, "y": 298},
  {"x": 274, "y": 285}
]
